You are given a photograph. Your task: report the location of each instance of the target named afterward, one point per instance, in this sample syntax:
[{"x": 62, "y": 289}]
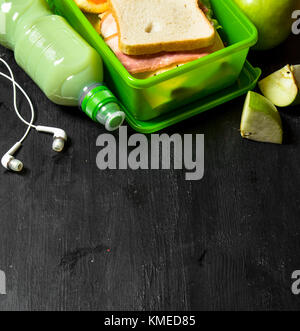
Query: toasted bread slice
[
  {"x": 149, "y": 27},
  {"x": 92, "y": 6}
]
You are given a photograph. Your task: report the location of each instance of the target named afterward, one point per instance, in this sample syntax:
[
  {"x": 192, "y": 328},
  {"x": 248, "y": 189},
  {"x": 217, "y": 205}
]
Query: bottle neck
[{"x": 99, "y": 103}]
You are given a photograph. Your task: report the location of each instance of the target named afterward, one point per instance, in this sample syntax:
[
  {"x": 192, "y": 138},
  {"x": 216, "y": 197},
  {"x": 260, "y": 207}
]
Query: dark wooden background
[{"x": 73, "y": 237}]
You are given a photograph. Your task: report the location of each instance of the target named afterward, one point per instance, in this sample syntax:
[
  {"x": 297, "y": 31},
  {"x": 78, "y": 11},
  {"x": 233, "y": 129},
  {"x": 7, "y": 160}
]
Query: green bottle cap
[{"x": 98, "y": 102}]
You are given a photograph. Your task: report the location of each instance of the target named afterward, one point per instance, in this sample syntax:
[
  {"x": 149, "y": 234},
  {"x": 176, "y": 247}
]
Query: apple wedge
[
  {"x": 260, "y": 120},
  {"x": 281, "y": 87},
  {"x": 296, "y": 72}
]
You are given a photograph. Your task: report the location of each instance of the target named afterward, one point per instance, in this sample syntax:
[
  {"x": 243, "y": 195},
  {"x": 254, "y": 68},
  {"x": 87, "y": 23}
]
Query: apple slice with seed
[
  {"x": 281, "y": 87},
  {"x": 260, "y": 120}
]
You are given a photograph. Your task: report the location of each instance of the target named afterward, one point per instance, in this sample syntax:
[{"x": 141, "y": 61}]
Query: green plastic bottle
[{"x": 60, "y": 61}]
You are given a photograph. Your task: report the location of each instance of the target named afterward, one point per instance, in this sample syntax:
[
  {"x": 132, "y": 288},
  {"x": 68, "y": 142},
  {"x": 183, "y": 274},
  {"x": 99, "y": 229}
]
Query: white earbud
[
  {"x": 9, "y": 162},
  {"x": 59, "y": 136}
]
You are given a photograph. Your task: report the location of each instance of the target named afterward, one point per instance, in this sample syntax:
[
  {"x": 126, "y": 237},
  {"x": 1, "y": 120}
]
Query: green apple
[
  {"x": 281, "y": 87},
  {"x": 273, "y": 19},
  {"x": 261, "y": 120}
]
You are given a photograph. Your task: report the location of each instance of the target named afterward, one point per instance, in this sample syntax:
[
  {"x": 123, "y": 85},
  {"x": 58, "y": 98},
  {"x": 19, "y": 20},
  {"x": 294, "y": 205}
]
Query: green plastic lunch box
[{"x": 156, "y": 102}]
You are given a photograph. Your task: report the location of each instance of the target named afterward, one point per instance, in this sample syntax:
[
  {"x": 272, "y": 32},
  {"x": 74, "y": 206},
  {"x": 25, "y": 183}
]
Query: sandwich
[
  {"x": 150, "y": 37},
  {"x": 150, "y": 27}
]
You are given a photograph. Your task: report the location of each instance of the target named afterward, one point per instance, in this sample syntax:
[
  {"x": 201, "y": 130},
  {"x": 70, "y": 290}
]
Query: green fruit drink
[{"x": 62, "y": 64}]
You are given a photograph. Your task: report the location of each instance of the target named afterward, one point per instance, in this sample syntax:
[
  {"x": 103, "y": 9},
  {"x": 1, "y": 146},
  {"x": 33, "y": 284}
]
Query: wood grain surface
[{"x": 73, "y": 237}]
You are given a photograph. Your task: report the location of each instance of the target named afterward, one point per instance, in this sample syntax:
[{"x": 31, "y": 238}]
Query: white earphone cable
[
  {"x": 8, "y": 160},
  {"x": 16, "y": 85}
]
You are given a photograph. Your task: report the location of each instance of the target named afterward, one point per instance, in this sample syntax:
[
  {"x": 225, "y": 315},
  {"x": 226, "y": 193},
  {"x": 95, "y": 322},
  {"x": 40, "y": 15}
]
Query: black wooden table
[{"x": 73, "y": 237}]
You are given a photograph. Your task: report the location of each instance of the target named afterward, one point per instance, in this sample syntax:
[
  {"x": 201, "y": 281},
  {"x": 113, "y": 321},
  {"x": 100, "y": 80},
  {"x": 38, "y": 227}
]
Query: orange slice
[{"x": 92, "y": 6}]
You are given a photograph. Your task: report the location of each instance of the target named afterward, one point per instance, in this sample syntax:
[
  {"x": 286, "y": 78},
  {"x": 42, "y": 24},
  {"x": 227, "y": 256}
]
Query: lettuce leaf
[{"x": 206, "y": 6}]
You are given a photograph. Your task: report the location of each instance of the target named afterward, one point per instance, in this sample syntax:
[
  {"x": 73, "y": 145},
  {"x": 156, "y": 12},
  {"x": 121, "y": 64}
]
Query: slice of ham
[
  {"x": 149, "y": 63},
  {"x": 109, "y": 26}
]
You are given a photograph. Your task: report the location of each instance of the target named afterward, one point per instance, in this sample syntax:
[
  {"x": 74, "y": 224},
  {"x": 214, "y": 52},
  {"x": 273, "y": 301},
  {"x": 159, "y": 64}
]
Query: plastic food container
[{"x": 148, "y": 99}]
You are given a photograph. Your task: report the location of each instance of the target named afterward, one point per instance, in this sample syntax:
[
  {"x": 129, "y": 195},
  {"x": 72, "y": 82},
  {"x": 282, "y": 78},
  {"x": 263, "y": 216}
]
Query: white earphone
[{"x": 59, "y": 136}]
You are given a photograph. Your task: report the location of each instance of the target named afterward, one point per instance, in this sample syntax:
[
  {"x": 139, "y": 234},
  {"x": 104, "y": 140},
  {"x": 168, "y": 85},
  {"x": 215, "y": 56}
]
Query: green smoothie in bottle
[{"x": 58, "y": 59}]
